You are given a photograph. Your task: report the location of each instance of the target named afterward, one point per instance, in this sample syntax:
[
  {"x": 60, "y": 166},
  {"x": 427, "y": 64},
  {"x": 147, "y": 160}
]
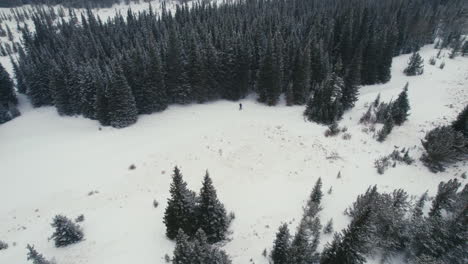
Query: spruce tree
[
  {"x": 281, "y": 246},
  {"x": 401, "y": 107},
  {"x": 415, "y": 65},
  {"x": 386, "y": 129},
  {"x": 352, "y": 79},
  {"x": 350, "y": 246},
  {"x": 180, "y": 210},
  {"x": 66, "y": 231},
  {"x": 35, "y": 256},
  {"x": 461, "y": 123},
  {"x": 325, "y": 106},
  {"x": 184, "y": 251},
  {"x": 443, "y": 146},
  {"x": 211, "y": 213},
  {"x": 7, "y": 93},
  {"x": 269, "y": 88},
  {"x": 177, "y": 81},
  {"x": 301, "y": 251},
  {"x": 121, "y": 103}
]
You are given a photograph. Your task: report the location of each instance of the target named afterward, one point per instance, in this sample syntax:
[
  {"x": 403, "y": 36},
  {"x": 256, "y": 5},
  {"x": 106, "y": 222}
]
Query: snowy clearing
[{"x": 263, "y": 160}]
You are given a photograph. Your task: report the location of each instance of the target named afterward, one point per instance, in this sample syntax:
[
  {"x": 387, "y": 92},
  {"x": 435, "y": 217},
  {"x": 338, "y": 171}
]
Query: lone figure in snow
[{"x": 240, "y": 107}]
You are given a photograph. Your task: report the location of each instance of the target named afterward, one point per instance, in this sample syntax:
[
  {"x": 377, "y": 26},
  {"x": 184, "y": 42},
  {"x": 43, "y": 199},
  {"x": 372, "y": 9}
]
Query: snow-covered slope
[{"x": 263, "y": 160}]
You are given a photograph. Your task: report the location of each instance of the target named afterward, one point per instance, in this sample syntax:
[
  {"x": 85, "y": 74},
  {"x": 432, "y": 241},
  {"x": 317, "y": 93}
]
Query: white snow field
[{"x": 263, "y": 160}]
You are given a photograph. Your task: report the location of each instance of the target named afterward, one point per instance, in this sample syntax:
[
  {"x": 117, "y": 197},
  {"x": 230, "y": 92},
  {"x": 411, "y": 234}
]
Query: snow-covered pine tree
[
  {"x": 328, "y": 229},
  {"x": 184, "y": 250},
  {"x": 268, "y": 86},
  {"x": 180, "y": 210},
  {"x": 7, "y": 93},
  {"x": 66, "y": 231},
  {"x": 461, "y": 123},
  {"x": 443, "y": 145},
  {"x": 386, "y": 129},
  {"x": 301, "y": 76},
  {"x": 281, "y": 246},
  {"x": 177, "y": 81},
  {"x": 301, "y": 251},
  {"x": 445, "y": 198},
  {"x": 401, "y": 107},
  {"x": 352, "y": 79},
  {"x": 352, "y": 244},
  {"x": 325, "y": 106},
  {"x": 121, "y": 103},
  {"x": 211, "y": 213},
  {"x": 36, "y": 257},
  {"x": 415, "y": 65}
]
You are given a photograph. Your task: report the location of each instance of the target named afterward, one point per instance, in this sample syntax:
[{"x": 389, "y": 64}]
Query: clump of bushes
[
  {"x": 3, "y": 245},
  {"x": 402, "y": 156}
]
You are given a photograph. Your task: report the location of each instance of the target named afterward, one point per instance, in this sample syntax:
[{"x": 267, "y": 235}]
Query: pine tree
[
  {"x": 269, "y": 88},
  {"x": 7, "y": 93},
  {"x": 211, "y": 214},
  {"x": 35, "y": 256},
  {"x": 301, "y": 76},
  {"x": 401, "y": 107},
  {"x": 121, "y": 103},
  {"x": 66, "y": 231},
  {"x": 386, "y": 129},
  {"x": 443, "y": 146},
  {"x": 301, "y": 251},
  {"x": 281, "y": 246},
  {"x": 445, "y": 198},
  {"x": 350, "y": 246},
  {"x": 461, "y": 123},
  {"x": 180, "y": 210},
  {"x": 415, "y": 65},
  {"x": 184, "y": 251},
  {"x": 352, "y": 80},
  {"x": 325, "y": 106},
  {"x": 328, "y": 227},
  {"x": 155, "y": 88},
  {"x": 177, "y": 81}
]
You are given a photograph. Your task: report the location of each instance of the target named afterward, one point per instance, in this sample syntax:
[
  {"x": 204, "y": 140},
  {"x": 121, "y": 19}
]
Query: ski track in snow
[{"x": 263, "y": 160}]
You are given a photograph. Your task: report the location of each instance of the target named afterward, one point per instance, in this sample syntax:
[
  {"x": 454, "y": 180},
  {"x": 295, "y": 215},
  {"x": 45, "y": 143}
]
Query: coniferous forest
[{"x": 314, "y": 52}]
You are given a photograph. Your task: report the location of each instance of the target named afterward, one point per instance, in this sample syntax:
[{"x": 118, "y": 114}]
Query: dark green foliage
[
  {"x": 386, "y": 130},
  {"x": 7, "y": 93},
  {"x": 443, "y": 146},
  {"x": 281, "y": 246},
  {"x": 181, "y": 207},
  {"x": 197, "y": 250},
  {"x": 349, "y": 247},
  {"x": 302, "y": 251},
  {"x": 461, "y": 123},
  {"x": 121, "y": 105},
  {"x": 441, "y": 237},
  {"x": 35, "y": 256},
  {"x": 3, "y": 245},
  {"x": 401, "y": 107},
  {"x": 325, "y": 106},
  {"x": 207, "y": 51},
  {"x": 415, "y": 65},
  {"x": 445, "y": 198},
  {"x": 328, "y": 229},
  {"x": 211, "y": 214},
  {"x": 66, "y": 232},
  {"x": 188, "y": 213}
]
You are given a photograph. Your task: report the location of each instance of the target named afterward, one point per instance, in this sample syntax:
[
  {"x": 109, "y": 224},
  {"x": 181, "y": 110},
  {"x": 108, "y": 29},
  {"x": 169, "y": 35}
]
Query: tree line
[{"x": 139, "y": 63}]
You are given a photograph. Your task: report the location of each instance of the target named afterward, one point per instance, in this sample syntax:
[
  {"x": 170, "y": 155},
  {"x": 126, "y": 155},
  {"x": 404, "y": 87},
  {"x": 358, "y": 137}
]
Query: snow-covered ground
[{"x": 264, "y": 162}]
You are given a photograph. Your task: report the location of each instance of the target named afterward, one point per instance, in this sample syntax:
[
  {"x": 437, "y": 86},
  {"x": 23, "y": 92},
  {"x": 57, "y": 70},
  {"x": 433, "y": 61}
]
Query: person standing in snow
[{"x": 240, "y": 107}]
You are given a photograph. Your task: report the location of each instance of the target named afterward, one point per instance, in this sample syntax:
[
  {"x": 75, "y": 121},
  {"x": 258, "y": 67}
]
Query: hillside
[{"x": 263, "y": 161}]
